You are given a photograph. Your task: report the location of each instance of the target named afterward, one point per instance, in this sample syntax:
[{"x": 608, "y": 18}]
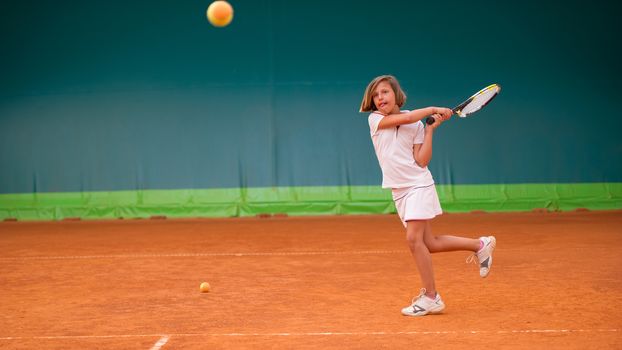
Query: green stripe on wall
[{"x": 330, "y": 200}]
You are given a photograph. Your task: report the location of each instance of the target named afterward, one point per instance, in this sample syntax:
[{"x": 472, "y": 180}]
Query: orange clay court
[{"x": 308, "y": 283}]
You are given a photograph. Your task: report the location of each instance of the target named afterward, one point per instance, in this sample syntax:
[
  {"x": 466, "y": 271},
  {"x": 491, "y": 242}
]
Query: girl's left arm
[{"x": 423, "y": 152}]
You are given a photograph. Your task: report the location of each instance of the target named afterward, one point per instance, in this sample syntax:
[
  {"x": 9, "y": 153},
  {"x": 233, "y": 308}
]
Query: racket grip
[{"x": 429, "y": 121}]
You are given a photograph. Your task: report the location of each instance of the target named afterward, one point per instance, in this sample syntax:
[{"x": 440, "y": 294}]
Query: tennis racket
[{"x": 474, "y": 103}]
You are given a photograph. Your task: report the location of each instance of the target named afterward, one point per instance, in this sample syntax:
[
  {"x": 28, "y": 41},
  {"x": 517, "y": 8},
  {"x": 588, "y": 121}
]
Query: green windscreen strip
[{"x": 329, "y": 200}]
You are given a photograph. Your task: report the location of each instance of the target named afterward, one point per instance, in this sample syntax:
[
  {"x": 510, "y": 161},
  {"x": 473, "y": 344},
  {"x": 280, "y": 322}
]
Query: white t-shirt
[{"x": 394, "y": 149}]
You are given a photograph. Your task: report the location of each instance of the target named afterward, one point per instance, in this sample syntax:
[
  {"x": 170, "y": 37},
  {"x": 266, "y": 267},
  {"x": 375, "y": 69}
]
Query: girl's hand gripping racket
[{"x": 474, "y": 103}]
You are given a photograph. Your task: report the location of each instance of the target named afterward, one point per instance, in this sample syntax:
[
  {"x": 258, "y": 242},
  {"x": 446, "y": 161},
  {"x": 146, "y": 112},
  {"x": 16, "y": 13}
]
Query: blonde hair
[{"x": 368, "y": 105}]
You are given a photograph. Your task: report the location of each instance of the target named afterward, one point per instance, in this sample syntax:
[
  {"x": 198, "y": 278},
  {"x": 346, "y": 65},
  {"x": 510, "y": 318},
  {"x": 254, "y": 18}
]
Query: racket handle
[{"x": 429, "y": 121}]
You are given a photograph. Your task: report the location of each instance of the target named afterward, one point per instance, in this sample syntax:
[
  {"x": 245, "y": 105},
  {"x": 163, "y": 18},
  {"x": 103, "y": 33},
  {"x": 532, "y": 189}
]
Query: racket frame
[{"x": 458, "y": 108}]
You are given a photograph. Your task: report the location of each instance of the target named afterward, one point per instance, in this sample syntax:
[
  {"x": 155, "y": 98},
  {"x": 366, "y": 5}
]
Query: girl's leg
[
  {"x": 482, "y": 247},
  {"x": 444, "y": 243},
  {"x": 415, "y": 231}
]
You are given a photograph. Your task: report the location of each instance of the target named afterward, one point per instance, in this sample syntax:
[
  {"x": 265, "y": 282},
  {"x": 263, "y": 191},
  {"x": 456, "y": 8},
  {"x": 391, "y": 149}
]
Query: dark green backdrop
[{"x": 146, "y": 95}]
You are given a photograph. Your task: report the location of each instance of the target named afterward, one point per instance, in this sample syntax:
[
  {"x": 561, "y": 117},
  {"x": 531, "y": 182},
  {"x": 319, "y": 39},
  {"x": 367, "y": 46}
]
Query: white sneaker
[
  {"x": 484, "y": 255},
  {"x": 423, "y": 305}
]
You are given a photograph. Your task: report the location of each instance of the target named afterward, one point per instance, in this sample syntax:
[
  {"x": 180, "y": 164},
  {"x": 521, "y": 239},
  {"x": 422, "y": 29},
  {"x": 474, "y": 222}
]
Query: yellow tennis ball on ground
[
  {"x": 219, "y": 13},
  {"x": 204, "y": 287}
]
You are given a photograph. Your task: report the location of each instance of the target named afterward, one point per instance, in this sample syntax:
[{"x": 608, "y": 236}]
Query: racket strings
[{"x": 479, "y": 101}]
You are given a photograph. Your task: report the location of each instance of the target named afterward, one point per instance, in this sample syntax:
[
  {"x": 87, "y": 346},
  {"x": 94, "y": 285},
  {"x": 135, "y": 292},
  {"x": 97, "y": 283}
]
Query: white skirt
[{"x": 416, "y": 203}]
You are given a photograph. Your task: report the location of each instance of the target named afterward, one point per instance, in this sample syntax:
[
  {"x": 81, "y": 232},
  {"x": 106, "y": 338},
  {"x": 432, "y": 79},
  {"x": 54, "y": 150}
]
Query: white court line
[
  {"x": 315, "y": 334},
  {"x": 192, "y": 255},
  {"x": 197, "y": 255},
  {"x": 160, "y": 343}
]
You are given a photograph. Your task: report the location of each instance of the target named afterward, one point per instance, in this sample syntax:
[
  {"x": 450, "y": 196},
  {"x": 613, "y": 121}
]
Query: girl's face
[{"x": 384, "y": 99}]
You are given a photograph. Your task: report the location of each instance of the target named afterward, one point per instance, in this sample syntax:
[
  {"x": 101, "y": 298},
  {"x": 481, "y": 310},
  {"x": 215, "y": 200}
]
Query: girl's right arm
[{"x": 413, "y": 116}]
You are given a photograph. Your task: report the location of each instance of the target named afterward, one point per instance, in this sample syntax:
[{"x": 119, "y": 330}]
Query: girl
[{"x": 404, "y": 149}]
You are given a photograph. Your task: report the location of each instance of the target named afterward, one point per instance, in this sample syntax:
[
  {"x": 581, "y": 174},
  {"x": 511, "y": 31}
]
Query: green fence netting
[{"x": 330, "y": 200}]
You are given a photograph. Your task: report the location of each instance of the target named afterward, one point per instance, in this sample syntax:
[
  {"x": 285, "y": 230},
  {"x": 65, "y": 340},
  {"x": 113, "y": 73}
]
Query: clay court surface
[{"x": 308, "y": 283}]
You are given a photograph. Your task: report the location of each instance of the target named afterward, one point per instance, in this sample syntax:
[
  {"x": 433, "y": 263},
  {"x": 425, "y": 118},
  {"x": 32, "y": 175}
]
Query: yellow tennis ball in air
[
  {"x": 220, "y": 13},
  {"x": 204, "y": 287}
]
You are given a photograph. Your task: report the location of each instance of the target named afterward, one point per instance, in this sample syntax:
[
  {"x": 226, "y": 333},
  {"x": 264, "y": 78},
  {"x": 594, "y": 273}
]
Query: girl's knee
[
  {"x": 432, "y": 244},
  {"x": 414, "y": 242}
]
